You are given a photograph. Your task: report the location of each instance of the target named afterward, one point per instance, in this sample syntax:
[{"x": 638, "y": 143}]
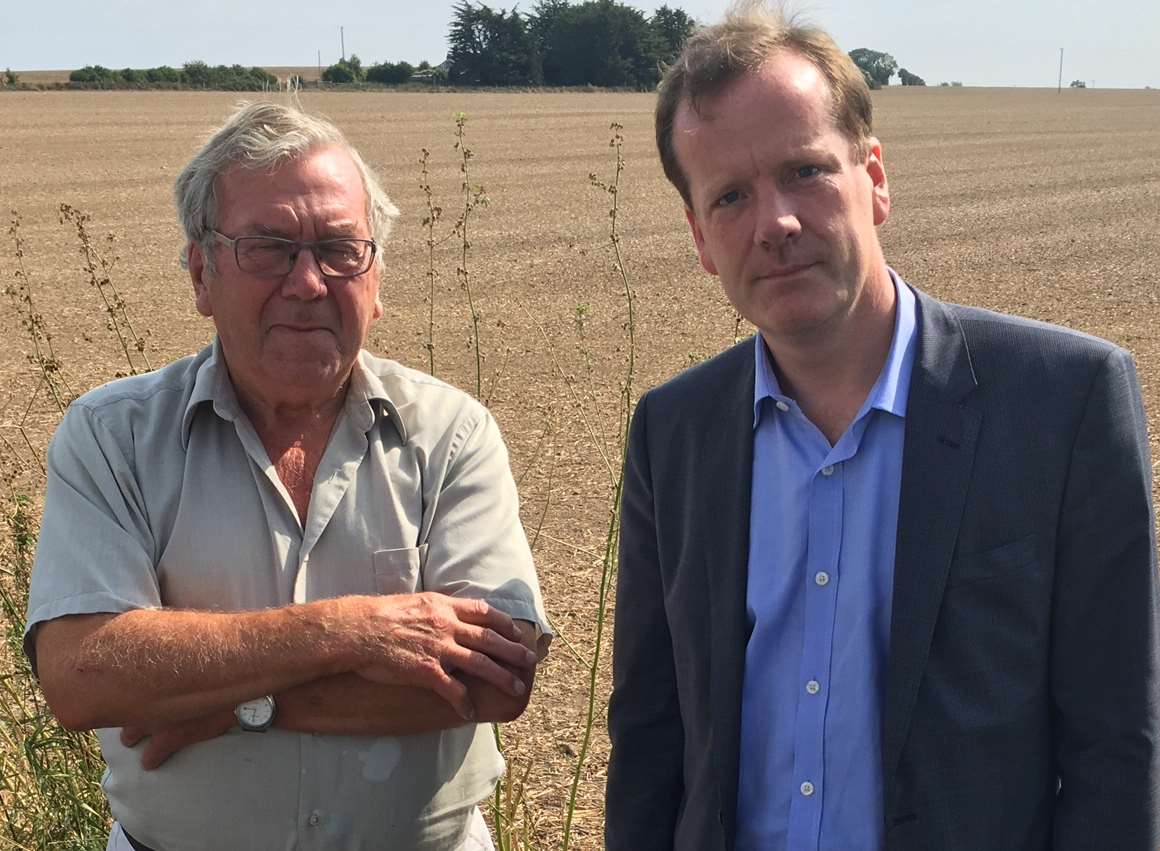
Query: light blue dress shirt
[{"x": 821, "y": 569}]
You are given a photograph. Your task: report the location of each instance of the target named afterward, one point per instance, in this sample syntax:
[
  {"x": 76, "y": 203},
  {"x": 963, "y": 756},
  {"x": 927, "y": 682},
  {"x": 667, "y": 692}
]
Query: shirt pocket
[
  {"x": 399, "y": 571},
  {"x": 994, "y": 563}
]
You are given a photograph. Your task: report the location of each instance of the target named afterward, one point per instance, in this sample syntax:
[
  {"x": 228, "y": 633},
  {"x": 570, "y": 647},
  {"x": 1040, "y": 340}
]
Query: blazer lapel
[
  {"x": 936, "y": 467},
  {"x": 726, "y": 481}
]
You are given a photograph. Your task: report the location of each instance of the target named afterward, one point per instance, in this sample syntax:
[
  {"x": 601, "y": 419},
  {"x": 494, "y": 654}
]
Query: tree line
[
  {"x": 597, "y": 42},
  {"x": 191, "y": 75},
  {"x": 603, "y": 43}
]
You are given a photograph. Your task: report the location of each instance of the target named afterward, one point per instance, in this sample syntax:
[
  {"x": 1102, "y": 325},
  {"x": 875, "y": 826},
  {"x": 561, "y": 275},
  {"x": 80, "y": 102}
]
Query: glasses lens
[
  {"x": 261, "y": 256},
  {"x": 344, "y": 257}
]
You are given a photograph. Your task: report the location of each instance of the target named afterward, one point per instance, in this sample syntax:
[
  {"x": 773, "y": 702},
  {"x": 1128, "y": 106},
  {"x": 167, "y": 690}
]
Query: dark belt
[{"x": 137, "y": 846}]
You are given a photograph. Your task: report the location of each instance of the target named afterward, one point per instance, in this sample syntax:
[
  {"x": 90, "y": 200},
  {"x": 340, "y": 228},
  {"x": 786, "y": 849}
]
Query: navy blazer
[{"x": 1021, "y": 702}]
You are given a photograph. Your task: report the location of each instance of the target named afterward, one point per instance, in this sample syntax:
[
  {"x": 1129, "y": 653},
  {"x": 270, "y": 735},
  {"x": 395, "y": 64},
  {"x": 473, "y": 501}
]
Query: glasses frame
[{"x": 298, "y": 247}]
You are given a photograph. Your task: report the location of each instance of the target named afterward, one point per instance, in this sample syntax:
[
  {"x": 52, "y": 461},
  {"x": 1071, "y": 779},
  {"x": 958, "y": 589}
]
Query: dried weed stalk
[
  {"x": 430, "y": 220},
  {"x": 474, "y": 197},
  {"x": 624, "y": 418},
  {"x": 99, "y": 268}
]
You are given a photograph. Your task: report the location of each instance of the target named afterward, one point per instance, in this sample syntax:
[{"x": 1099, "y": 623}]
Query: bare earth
[{"x": 1025, "y": 201}]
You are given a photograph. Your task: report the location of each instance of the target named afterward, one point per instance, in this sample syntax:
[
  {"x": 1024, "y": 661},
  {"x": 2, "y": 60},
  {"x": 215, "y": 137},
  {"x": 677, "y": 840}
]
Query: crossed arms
[{"x": 373, "y": 665}]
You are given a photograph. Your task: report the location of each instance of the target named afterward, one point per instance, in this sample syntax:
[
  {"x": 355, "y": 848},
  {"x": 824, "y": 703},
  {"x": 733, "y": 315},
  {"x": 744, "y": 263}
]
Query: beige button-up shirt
[{"x": 161, "y": 494}]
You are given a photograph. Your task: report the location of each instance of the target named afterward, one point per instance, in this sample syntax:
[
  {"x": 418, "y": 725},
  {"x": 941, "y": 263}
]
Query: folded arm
[{"x": 155, "y": 668}]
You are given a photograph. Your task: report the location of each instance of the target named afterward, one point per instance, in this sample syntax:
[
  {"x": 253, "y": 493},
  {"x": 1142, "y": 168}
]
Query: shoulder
[
  {"x": 987, "y": 330},
  {"x": 152, "y": 401},
  {"x": 1006, "y": 348},
  {"x": 430, "y": 410},
  {"x": 705, "y": 385}
]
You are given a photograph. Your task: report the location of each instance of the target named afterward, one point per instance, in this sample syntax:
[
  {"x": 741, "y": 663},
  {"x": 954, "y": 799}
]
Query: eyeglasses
[{"x": 272, "y": 256}]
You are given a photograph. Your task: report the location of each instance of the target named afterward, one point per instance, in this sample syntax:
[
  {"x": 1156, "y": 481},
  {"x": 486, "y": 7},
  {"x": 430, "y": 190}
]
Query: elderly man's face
[
  {"x": 292, "y": 338},
  {"x": 781, "y": 210}
]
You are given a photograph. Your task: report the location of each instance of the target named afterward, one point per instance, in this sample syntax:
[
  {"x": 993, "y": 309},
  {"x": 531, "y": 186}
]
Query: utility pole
[
  {"x": 342, "y": 39},
  {"x": 320, "y": 67},
  {"x": 1060, "y": 88}
]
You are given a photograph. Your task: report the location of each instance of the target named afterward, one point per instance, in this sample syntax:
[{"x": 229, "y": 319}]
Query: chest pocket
[
  {"x": 994, "y": 563},
  {"x": 399, "y": 571}
]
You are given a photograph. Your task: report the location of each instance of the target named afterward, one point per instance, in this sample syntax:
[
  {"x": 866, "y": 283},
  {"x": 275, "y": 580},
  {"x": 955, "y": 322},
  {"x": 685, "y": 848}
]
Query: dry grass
[{"x": 1020, "y": 200}]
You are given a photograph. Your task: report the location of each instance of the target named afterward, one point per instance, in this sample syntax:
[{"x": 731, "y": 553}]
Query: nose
[
  {"x": 305, "y": 280},
  {"x": 777, "y": 219}
]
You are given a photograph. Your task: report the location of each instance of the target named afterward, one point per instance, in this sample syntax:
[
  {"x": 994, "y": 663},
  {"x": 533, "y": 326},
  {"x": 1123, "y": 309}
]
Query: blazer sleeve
[
  {"x": 645, "y": 781},
  {"x": 1104, "y": 685}
]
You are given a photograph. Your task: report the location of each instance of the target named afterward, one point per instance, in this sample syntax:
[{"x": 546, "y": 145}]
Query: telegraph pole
[
  {"x": 342, "y": 39},
  {"x": 1060, "y": 88}
]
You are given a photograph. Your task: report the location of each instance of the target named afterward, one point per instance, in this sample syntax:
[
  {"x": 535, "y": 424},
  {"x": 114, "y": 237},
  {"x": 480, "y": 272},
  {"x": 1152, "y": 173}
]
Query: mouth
[
  {"x": 781, "y": 272},
  {"x": 290, "y": 326}
]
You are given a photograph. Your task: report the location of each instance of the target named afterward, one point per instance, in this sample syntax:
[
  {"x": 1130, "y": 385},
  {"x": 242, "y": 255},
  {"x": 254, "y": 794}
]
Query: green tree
[
  {"x": 390, "y": 73},
  {"x": 489, "y": 48},
  {"x": 876, "y": 67},
  {"x": 673, "y": 28},
  {"x": 345, "y": 71},
  {"x": 11, "y": 78},
  {"x": 1077, "y": 84},
  {"x": 162, "y": 74},
  {"x": 599, "y": 42},
  {"x": 92, "y": 74},
  {"x": 909, "y": 79},
  {"x": 196, "y": 74}
]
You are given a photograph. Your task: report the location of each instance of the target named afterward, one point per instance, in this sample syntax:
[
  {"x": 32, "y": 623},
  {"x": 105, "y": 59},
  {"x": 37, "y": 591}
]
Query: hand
[
  {"x": 422, "y": 639},
  {"x": 164, "y": 743}
]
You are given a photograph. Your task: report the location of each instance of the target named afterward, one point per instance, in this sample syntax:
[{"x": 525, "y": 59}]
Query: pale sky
[{"x": 1114, "y": 43}]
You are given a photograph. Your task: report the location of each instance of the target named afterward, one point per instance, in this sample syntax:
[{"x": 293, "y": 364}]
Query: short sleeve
[
  {"x": 95, "y": 552},
  {"x": 476, "y": 546}
]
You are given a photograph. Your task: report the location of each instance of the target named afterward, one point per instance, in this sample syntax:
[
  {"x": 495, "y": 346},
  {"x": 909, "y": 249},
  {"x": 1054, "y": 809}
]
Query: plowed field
[{"x": 1027, "y": 201}]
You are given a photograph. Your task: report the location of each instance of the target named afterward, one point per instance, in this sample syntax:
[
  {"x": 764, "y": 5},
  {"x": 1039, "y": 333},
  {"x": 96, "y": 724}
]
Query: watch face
[{"x": 256, "y": 713}]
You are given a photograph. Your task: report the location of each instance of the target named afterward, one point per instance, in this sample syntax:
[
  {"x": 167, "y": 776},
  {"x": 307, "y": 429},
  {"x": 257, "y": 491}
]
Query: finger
[
  {"x": 478, "y": 612},
  {"x": 496, "y": 646},
  {"x": 455, "y": 693},
  {"x": 158, "y": 749},
  {"x": 130, "y": 736},
  {"x": 482, "y": 666}
]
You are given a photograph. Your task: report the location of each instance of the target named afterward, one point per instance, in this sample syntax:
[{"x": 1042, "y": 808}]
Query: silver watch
[{"x": 257, "y": 715}]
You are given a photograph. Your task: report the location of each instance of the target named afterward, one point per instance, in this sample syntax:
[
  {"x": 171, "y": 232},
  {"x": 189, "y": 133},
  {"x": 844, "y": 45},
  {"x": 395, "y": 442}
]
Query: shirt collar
[
  {"x": 892, "y": 387},
  {"x": 366, "y": 398}
]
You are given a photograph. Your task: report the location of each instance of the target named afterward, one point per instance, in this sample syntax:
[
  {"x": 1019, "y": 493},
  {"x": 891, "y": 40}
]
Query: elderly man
[
  {"x": 887, "y": 574},
  {"x": 284, "y": 579}
]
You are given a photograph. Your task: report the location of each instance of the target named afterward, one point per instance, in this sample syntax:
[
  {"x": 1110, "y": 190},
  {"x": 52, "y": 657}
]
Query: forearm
[
  {"x": 348, "y": 704},
  {"x": 158, "y": 667}
]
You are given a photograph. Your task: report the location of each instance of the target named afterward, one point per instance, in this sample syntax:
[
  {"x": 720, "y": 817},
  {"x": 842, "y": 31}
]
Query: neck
[
  {"x": 829, "y": 373},
  {"x": 278, "y": 416}
]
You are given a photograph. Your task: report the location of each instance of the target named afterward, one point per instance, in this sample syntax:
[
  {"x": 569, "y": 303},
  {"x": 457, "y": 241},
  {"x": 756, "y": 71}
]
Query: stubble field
[{"x": 1024, "y": 201}]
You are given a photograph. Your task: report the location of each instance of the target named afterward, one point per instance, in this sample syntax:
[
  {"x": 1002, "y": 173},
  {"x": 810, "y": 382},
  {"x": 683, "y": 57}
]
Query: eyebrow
[{"x": 329, "y": 230}]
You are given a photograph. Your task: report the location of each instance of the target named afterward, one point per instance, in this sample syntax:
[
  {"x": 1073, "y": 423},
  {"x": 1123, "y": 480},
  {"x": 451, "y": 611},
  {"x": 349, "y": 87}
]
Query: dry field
[{"x": 1025, "y": 201}]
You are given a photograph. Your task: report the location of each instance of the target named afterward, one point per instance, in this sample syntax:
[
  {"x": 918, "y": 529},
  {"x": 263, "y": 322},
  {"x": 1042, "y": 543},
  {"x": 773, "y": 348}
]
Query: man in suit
[{"x": 887, "y": 571}]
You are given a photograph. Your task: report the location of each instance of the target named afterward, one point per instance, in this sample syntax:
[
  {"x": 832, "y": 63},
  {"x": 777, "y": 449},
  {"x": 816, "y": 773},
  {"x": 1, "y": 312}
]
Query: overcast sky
[{"x": 1114, "y": 43}]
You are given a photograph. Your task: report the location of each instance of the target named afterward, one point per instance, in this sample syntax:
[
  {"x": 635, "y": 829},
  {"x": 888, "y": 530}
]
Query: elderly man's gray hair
[{"x": 263, "y": 136}]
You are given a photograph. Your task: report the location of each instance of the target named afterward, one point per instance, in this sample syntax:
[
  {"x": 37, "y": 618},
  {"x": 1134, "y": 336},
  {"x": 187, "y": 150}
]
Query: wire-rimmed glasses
[{"x": 273, "y": 256}]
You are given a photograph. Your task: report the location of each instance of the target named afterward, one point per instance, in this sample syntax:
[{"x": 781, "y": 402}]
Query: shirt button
[
  {"x": 807, "y": 788},
  {"x": 828, "y": 470},
  {"x": 315, "y": 819},
  {"x": 813, "y": 687},
  {"x": 781, "y": 406},
  {"x": 822, "y": 578}
]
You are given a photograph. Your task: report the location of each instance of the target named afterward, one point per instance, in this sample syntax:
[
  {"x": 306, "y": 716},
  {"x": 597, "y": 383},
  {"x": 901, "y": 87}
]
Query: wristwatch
[{"x": 257, "y": 715}]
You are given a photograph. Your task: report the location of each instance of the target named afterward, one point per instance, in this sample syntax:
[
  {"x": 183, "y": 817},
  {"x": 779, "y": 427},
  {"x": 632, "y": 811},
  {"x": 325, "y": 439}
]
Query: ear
[
  {"x": 197, "y": 274},
  {"x": 699, "y": 240},
  {"x": 880, "y": 189}
]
